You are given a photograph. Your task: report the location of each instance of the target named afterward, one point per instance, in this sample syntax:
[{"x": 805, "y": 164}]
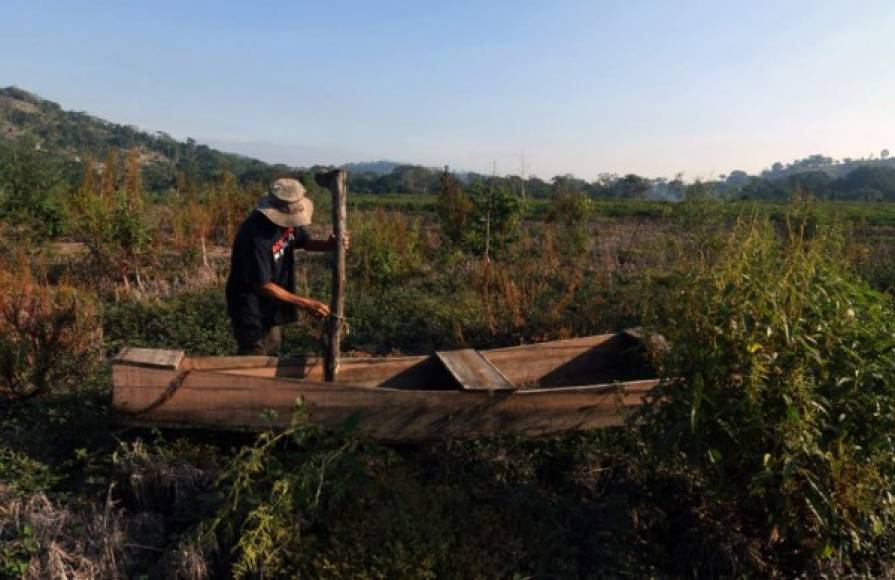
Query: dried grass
[
  {"x": 159, "y": 480},
  {"x": 84, "y": 542}
]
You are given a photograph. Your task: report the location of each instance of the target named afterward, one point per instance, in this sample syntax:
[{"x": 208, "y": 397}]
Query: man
[{"x": 261, "y": 287}]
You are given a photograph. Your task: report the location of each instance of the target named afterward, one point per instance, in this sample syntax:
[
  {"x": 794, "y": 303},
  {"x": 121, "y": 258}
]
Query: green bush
[
  {"x": 31, "y": 189},
  {"x": 782, "y": 388},
  {"x": 386, "y": 248},
  {"x": 409, "y": 319},
  {"x": 196, "y": 322},
  {"x": 496, "y": 220},
  {"x": 320, "y": 504}
]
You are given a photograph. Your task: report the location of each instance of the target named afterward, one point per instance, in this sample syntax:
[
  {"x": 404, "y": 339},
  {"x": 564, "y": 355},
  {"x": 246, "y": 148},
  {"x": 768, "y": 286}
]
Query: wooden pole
[{"x": 337, "y": 303}]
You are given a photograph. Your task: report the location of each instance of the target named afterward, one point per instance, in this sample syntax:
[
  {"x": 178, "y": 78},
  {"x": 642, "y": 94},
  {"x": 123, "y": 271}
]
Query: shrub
[
  {"x": 454, "y": 209},
  {"x": 496, "y": 220},
  {"x": 386, "y": 248},
  {"x": 783, "y": 388},
  {"x": 321, "y": 504},
  {"x": 274, "y": 490},
  {"x": 113, "y": 222},
  {"x": 195, "y": 321},
  {"x": 31, "y": 188},
  {"x": 49, "y": 336}
]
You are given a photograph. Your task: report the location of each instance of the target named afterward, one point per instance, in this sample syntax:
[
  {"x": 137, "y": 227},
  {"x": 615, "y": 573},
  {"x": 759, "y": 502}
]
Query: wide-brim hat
[{"x": 286, "y": 204}]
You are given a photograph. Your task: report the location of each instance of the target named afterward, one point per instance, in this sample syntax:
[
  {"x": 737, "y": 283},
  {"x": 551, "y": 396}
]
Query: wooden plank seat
[
  {"x": 473, "y": 371},
  {"x": 150, "y": 357}
]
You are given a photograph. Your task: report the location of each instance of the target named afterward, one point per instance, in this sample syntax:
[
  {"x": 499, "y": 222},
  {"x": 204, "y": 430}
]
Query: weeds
[
  {"x": 782, "y": 393},
  {"x": 767, "y": 456},
  {"x": 49, "y": 336},
  {"x": 274, "y": 491},
  {"x": 41, "y": 539}
]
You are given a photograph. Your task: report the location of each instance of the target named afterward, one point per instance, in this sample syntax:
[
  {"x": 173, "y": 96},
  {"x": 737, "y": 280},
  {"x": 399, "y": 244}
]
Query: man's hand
[
  {"x": 309, "y": 305},
  {"x": 312, "y": 307}
]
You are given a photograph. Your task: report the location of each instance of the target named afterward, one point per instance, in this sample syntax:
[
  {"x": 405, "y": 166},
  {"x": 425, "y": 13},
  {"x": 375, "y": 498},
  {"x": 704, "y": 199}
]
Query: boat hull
[{"x": 252, "y": 394}]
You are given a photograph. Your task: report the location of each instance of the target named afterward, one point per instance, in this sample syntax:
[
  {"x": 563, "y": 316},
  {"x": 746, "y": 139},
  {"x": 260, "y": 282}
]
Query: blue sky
[{"x": 700, "y": 87}]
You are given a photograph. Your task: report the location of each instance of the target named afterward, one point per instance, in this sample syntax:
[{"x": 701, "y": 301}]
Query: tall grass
[{"x": 781, "y": 388}]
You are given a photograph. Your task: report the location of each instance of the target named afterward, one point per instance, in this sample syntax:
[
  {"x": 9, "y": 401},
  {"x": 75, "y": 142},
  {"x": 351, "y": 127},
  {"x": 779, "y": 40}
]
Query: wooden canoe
[{"x": 537, "y": 389}]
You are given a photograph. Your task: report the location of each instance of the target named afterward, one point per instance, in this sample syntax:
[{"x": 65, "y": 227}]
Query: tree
[
  {"x": 109, "y": 183},
  {"x": 569, "y": 206},
  {"x": 699, "y": 191},
  {"x": 133, "y": 176},
  {"x": 868, "y": 177},
  {"x": 89, "y": 208},
  {"x": 737, "y": 179},
  {"x": 454, "y": 208},
  {"x": 884, "y": 154},
  {"x": 32, "y": 185},
  {"x": 496, "y": 219},
  {"x": 817, "y": 184},
  {"x": 631, "y": 187},
  {"x": 110, "y": 221},
  {"x": 231, "y": 204}
]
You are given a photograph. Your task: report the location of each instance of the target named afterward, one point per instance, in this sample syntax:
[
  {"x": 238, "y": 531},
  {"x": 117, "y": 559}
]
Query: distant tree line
[
  {"x": 414, "y": 179},
  {"x": 869, "y": 182}
]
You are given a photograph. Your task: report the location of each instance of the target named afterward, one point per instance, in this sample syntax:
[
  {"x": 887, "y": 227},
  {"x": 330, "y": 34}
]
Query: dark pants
[{"x": 249, "y": 342}]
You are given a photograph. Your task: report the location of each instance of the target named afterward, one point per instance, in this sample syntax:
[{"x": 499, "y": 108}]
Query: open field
[
  {"x": 612, "y": 502},
  {"x": 877, "y": 214}
]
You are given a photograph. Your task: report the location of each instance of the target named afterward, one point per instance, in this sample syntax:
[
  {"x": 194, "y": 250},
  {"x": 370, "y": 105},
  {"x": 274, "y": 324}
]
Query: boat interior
[{"x": 573, "y": 362}]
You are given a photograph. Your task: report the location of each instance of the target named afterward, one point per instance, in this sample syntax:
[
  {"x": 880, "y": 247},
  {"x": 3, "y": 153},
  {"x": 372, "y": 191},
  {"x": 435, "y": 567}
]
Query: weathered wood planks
[
  {"x": 150, "y": 357},
  {"x": 216, "y": 400},
  {"x": 473, "y": 371},
  {"x": 395, "y": 398}
]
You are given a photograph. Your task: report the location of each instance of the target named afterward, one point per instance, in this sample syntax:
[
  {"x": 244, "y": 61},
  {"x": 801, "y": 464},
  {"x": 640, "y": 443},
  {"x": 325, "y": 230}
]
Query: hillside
[
  {"x": 75, "y": 135},
  {"x": 372, "y": 167},
  {"x": 833, "y": 168}
]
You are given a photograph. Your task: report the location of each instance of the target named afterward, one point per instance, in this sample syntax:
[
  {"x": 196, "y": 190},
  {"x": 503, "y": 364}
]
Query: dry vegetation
[{"x": 764, "y": 457}]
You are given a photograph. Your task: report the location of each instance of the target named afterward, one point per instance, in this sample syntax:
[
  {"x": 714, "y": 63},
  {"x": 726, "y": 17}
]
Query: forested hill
[{"x": 74, "y": 136}]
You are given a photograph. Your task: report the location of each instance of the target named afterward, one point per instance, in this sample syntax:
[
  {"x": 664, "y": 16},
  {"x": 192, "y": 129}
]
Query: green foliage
[
  {"x": 16, "y": 552},
  {"x": 571, "y": 210},
  {"x": 386, "y": 248},
  {"x": 411, "y": 319},
  {"x": 496, "y": 222},
  {"x": 311, "y": 503},
  {"x": 869, "y": 182},
  {"x": 781, "y": 391},
  {"x": 273, "y": 492},
  {"x": 196, "y": 322},
  {"x": 454, "y": 210},
  {"x": 62, "y": 132},
  {"x": 111, "y": 221},
  {"x": 25, "y": 474},
  {"x": 31, "y": 189}
]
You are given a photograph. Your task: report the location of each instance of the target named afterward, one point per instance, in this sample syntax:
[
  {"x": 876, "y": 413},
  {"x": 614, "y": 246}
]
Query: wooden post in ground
[{"x": 337, "y": 303}]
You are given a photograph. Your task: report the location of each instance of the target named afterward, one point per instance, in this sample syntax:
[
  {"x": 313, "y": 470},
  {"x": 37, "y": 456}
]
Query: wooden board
[
  {"x": 578, "y": 361},
  {"x": 473, "y": 371},
  {"x": 392, "y": 398},
  {"x": 150, "y": 357},
  {"x": 215, "y": 400}
]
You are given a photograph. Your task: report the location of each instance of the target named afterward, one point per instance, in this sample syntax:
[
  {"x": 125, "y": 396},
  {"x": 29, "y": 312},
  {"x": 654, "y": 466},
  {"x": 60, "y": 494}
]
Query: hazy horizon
[{"x": 699, "y": 87}]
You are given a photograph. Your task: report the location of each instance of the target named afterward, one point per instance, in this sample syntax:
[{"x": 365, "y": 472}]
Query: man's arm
[
  {"x": 309, "y": 305},
  {"x": 327, "y": 245}
]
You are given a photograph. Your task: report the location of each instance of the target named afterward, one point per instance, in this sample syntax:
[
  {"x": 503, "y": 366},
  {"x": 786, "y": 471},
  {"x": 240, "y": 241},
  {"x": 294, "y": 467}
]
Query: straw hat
[{"x": 286, "y": 205}]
